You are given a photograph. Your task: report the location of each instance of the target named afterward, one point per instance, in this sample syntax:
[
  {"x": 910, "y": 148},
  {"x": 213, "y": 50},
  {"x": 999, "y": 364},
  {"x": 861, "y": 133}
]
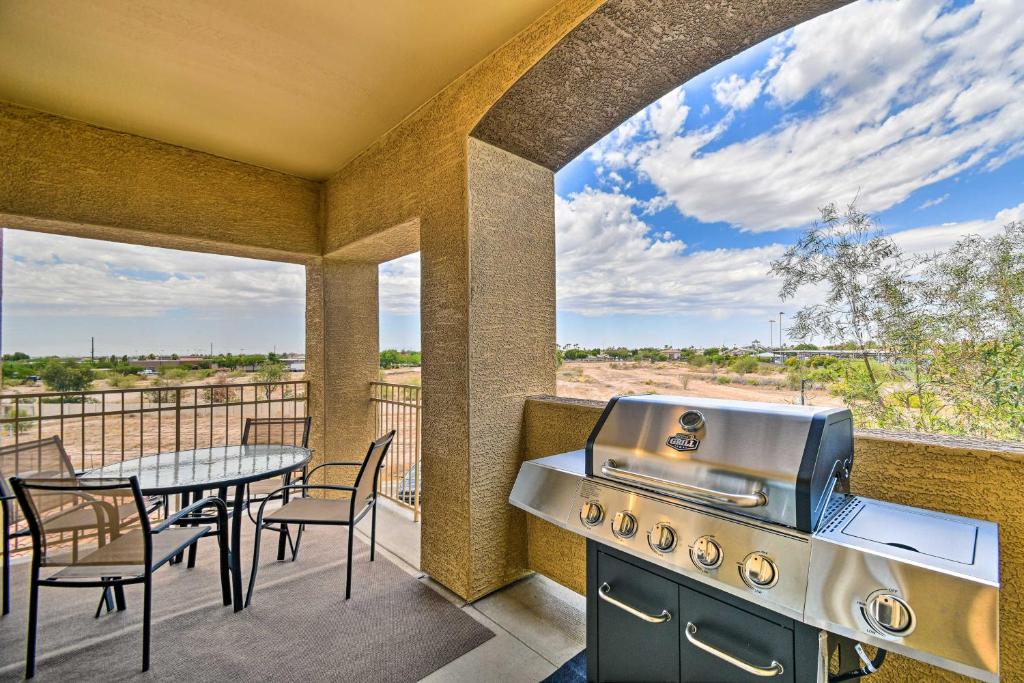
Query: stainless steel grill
[{"x": 752, "y": 499}]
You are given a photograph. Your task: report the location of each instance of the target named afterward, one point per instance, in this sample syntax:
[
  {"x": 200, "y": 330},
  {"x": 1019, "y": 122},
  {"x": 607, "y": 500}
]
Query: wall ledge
[{"x": 1006, "y": 449}]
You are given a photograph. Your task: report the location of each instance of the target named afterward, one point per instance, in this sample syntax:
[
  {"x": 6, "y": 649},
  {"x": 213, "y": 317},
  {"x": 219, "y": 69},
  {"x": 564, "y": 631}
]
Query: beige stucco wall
[
  {"x": 69, "y": 177},
  {"x": 421, "y": 171},
  {"x": 973, "y": 478}
]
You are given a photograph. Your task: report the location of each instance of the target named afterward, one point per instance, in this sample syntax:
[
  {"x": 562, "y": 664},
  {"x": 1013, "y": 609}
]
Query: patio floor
[{"x": 537, "y": 624}]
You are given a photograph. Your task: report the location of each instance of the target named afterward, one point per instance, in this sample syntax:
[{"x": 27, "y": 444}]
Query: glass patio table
[{"x": 219, "y": 468}]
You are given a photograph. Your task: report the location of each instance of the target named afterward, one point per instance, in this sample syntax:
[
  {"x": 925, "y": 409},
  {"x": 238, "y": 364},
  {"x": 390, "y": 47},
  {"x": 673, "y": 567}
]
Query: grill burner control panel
[{"x": 739, "y": 556}]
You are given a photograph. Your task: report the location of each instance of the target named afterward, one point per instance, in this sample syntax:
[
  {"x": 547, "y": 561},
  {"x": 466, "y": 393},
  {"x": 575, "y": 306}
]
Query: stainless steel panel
[
  {"x": 916, "y": 530},
  {"x": 954, "y": 605},
  {"x": 743, "y": 450}
]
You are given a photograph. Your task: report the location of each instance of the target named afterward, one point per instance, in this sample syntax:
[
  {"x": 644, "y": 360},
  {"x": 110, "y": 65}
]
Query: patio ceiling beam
[{"x": 69, "y": 177}]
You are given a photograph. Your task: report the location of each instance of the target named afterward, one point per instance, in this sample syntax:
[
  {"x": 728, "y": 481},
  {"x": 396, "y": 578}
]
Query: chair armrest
[
  {"x": 336, "y": 463},
  {"x": 222, "y": 513}
]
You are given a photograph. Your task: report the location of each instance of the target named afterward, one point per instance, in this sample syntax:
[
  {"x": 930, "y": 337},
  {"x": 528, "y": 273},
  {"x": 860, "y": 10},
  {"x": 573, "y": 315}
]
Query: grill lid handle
[{"x": 740, "y": 500}]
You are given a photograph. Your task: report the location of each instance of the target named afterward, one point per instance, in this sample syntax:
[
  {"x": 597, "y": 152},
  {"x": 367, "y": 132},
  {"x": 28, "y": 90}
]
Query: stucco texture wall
[
  {"x": 965, "y": 477},
  {"x": 72, "y": 178},
  {"x": 421, "y": 171}
]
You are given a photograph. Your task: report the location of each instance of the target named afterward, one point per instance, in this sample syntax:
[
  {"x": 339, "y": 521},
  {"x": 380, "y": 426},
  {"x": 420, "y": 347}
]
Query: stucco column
[
  {"x": 488, "y": 343},
  {"x": 341, "y": 355}
]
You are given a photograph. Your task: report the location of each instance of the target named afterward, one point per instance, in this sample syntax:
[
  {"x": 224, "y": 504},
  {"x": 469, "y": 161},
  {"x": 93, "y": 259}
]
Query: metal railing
[
  {"x": 397, "y": 406},
  {"x": 100, "y": 427}
]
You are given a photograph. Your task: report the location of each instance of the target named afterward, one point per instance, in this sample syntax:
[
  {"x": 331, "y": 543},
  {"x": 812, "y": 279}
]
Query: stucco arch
[{"x": 622, "y": 57}]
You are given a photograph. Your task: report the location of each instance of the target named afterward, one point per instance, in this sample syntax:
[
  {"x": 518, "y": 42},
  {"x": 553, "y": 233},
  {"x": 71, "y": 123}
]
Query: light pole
[
  {"x": 780, "y": 331},
  {"x": 771, "y": 333}
]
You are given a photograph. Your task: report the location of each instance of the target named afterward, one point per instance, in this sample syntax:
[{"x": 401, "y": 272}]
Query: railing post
[{"x": 177, "y": 418}]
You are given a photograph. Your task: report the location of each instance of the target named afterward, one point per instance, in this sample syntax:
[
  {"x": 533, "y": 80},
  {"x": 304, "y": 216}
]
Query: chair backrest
[
  {"x": 72, "y": 520},
  {"x": 277, "y": 431},
  {"x": 40, "y": 459},
  {"x": 366, "y": 481}
]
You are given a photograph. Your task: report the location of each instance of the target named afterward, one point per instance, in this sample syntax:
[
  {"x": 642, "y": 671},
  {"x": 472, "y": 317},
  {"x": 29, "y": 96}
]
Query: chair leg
[
  {"x": 7, "y": 568},
  {"x": 373, "y": 530},
  {"x": 348, "y": 564},
  {"x": 298, "y": 540},
  {"x": 106, "y": 603},
  {"x": 225, "y": 571},
  {"x": 147, "y": 613},
  {"x": 33, "y": 613},
  {"x": 255, "y": 557},
  {"x": 119, "y": 598}
]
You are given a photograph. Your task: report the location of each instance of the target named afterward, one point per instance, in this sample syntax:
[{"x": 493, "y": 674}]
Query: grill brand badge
[
  {"x": 683, "y": 442},
  {"x": 691, "y": 421}
]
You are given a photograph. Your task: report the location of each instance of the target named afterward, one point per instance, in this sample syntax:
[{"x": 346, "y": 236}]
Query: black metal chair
[
  {"x": 106, "y": 548},
  {"x": 357, "y": 500},
  {"x": 267, "y": 431},
  {"x": 39, "y": 459}
]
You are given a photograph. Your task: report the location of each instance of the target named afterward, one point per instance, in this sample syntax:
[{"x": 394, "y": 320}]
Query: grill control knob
[
  {"x": 591, "y": 513},
  {"x": 624, "y": 524},
  {"x": 890, "y": 614},
  {"x": 759, "y": 571},
  {"x": 706, "y": 553},
  {"x": 662, "y": 538}
]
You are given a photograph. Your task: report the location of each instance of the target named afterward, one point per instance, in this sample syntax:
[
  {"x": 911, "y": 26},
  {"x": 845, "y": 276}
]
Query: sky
[{"x": 665, "y": 228}]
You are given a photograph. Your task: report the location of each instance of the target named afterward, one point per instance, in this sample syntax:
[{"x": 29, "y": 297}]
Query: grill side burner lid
[{"x": 775, "y": 462}]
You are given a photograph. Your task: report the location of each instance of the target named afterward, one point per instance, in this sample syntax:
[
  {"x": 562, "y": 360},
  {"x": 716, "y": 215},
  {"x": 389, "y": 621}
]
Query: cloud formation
[{"x": 877, "y": 99}]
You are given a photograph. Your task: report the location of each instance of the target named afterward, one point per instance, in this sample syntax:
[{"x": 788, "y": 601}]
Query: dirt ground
[{"x": 602, "y": 380}]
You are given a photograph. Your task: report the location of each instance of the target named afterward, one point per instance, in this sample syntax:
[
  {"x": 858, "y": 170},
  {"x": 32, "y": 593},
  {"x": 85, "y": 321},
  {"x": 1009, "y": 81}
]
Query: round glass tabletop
[{"x": 178, "y": 471}]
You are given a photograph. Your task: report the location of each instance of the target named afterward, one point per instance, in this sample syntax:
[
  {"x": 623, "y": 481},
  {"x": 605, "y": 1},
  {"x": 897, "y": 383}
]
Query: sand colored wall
[
  {"x": 974, "y": 478},
  {"x": 71, "y": 178},
  {"x": 421, "y": 170},
  {"x": 342, "y": 330}
]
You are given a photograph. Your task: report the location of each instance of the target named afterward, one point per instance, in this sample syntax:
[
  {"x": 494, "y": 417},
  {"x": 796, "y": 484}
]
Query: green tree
[
  {"x": 270, "y": 372},
  {"x": 848, "y": 254},
  {"x": 66, "y": 376}
]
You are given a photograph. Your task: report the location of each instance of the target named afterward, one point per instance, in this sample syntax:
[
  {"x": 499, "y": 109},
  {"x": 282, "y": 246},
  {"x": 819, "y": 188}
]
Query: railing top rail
[
  {"x": 401, "y": 386},
  {"x": 166, "y": 387}
]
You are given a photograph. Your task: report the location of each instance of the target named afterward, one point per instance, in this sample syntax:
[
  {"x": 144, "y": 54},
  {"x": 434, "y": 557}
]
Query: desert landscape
[{"x": 599, "y": 380}]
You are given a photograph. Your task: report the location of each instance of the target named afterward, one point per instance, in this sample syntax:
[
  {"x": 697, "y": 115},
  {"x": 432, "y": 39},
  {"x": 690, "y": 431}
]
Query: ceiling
[{"x": 299, "y": 86}]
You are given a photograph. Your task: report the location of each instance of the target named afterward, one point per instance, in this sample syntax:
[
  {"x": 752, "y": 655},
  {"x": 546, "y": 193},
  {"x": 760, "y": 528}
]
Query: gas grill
[{"x": 724, "y": 545}]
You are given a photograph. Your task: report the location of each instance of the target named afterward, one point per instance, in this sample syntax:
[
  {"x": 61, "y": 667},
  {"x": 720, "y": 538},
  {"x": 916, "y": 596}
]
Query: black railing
[{"x": 398, "y": 407}]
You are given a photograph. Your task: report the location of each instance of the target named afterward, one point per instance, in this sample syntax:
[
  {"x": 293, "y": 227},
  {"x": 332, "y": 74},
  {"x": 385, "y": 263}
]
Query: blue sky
[{"x": 666, "y": 228}]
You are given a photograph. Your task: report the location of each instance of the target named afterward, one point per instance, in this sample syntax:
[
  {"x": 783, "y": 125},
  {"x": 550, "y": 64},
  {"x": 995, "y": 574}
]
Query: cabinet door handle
[
  {"x": 773, "y": 669},
  {"x": 605, "y": 594}
]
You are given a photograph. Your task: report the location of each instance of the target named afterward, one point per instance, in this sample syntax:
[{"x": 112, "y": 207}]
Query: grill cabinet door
[
  {"x": 734, "y": 631},
  {"x": 629, "y": 648}
]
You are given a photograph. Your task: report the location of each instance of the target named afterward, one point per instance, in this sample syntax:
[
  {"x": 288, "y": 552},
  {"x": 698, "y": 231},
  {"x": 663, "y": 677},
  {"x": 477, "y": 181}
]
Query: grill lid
[{"x": 771, "y": 461}]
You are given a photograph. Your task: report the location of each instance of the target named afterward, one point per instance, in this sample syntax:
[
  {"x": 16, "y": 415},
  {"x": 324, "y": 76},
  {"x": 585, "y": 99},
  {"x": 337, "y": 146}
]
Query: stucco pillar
[
  {"x": 488, "y": 343},
  {"x": 341, "y": 355}
]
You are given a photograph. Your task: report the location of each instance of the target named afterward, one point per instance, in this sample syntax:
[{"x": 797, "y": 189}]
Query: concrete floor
[{"x": 538, "y": 624}]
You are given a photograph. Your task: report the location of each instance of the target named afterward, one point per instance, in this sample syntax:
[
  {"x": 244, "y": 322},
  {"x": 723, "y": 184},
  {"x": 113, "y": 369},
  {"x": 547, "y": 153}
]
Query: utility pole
[
  {"x": 771, "y": 333},
  {"x": 92, "y": 349},
  {"x": 780, "y": 331}
]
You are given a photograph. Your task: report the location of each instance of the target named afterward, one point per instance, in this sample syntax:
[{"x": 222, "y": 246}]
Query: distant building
[{"x": 672, "y": 354}]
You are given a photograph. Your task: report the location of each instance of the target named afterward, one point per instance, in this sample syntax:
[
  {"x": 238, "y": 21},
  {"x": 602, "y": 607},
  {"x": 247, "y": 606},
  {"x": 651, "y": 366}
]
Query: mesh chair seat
[
  {"x": 116, "y": 558},
  {"x": 312, "y": 511}
]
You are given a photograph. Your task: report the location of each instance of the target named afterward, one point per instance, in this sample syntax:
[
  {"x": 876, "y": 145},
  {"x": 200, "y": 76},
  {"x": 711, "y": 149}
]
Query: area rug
[
  {"x": 394, "y": 628},
  {"x": 573, "y": 671}
]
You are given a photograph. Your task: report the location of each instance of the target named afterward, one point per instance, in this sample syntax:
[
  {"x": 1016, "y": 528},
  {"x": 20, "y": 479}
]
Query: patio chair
[
  {"x": 347, "y": 510},
  {"x": 40, "y": 459},
  {"x": 270, "y": 431},
  {"x": 105, "y": 549}
]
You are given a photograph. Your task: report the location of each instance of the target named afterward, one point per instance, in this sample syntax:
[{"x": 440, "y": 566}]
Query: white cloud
[
  {"x": 735, "y": 92},
  {"x": 399, "y": 285},
  {"x": 906, "y": 96},
  {"x": 47, "y": 275},
  {"x": 611, "y": 261},
  {"x": 934, "y": 202},
  {"x": 935, "y": 238}
]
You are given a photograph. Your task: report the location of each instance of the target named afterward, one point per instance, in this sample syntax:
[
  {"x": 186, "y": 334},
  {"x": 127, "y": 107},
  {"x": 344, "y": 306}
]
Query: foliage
[
  {"x": 744, "y": 364},
  {"x": 393, "y": 358},
  {"x": 60, "y": 375},
  {"x": 951, "y": 324},
  {"x": 17, "y": 355}
]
